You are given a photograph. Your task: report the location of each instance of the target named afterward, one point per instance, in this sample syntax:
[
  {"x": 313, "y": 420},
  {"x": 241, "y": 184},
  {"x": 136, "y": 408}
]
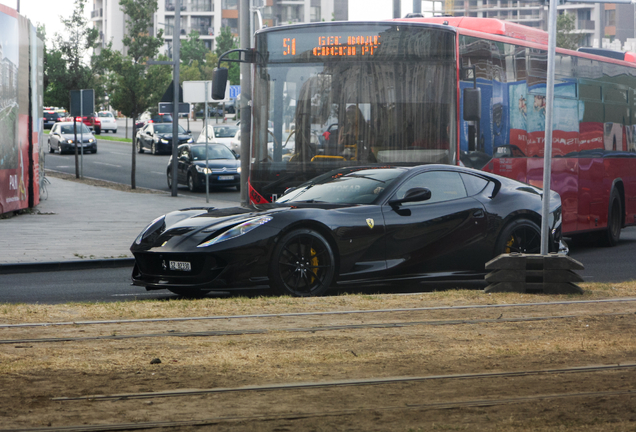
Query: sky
[{"x": 48, "y": 12}]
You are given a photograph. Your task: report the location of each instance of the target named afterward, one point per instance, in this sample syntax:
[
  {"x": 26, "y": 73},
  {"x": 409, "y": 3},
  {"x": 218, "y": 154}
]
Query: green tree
[
  {"x": 193, "y": 49},
  {"x": 66, "y": 67},
  {"x": 225, "y": 42},
  {"x": 566, "y": 38},
  {"x": 134, "y": 86},
  {"x": 190, "y": 72}
]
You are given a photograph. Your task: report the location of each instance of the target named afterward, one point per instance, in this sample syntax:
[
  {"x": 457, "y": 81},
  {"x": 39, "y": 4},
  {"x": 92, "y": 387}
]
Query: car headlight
[
  {"x": 204, "y": 170},
  {"x": 165, "y": 141},
  {"x": 154, "y": 226},
  {"x": 238, "y": 230},
  {"x": 69, "y": 141},
  {"x": 238, "y": 170},
  {"x": 190, "y": 140},
  {"x": 91, "y": 140}
]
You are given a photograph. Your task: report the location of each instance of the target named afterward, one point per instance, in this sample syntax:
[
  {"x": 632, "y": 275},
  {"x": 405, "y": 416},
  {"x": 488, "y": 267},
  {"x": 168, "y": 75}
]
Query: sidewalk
[{"x": 84, "y": 226}]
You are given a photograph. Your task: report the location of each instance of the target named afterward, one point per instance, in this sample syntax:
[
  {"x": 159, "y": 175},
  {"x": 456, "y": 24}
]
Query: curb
[{"x": 66, "y": 265}]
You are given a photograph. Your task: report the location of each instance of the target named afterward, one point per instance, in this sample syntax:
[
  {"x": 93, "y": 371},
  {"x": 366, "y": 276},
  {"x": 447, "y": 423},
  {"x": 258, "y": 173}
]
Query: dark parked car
[
  {"x": 146, "y": 118},
  {"x": 62, "y": 138},
  {"x": 212, "y": 112},
  {"x": 50, "y": 118},
  {"x": 355, "y": 225},
  {"x": 222, "y": 167},
  {"x": 157, "y": 137}
]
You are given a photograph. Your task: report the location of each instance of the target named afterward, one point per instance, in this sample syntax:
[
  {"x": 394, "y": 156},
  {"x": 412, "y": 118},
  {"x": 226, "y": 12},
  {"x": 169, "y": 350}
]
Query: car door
[
  {"x": 183, "y": 163},
  {"x": 443, "y": 234},
  {"x": 53, "y": 137},
  {"x": 146, "y": 136}
]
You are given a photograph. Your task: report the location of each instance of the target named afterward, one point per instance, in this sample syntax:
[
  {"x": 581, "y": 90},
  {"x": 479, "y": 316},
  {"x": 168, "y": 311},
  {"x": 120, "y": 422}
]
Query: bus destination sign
[{"x": 336, "y": 46}]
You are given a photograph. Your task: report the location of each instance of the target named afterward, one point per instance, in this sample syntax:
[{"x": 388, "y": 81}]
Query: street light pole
[{"x": 176, "y": 45}]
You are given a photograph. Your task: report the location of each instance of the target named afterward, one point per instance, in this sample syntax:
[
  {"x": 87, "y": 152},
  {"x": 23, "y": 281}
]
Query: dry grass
[{"x": 32, "y": 313}]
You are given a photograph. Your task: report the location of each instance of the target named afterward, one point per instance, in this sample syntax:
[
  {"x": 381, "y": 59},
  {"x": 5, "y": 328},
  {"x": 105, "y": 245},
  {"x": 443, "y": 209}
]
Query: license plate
[
  {"x": 180, "y": 265},
  {"x": 226, "y": 177}
]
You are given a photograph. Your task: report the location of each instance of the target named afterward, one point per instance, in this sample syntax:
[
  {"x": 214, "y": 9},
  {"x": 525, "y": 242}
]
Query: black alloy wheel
[
  {"x": 140, "y": 148},
  {"x": 519, "y": 236},
  {"x": 614, "y": 220},
  {"x": 303, "y": 264}
]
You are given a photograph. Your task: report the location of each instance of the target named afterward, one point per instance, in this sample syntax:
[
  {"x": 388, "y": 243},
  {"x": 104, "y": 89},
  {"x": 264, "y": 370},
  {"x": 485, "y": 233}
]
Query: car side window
[
  {"x": 444, "y": 186},
  {"x": 474, "y": 184},
  {"x": 55, "y": 128}
]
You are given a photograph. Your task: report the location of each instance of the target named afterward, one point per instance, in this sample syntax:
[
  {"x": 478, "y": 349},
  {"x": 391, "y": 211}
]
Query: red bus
[{"x": 450, "y": 90}]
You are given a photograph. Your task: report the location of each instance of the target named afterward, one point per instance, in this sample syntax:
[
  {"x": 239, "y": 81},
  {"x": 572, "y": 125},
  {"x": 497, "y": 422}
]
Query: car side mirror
[{"x": 412, "y": 195}]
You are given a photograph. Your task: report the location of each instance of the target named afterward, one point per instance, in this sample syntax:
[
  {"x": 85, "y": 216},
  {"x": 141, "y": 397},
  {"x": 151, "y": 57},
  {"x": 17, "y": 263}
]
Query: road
[
  {"x": 124, "y": 127},
  {"x": 112, "y": 162},
  {"x": 113, "y": 285}
]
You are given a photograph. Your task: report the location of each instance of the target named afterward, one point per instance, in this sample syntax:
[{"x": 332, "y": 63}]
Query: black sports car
[{"x": 348, "y": 226}]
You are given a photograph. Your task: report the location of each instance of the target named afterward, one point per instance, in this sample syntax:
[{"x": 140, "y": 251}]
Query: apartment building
[{"x": 208, "y": 17}]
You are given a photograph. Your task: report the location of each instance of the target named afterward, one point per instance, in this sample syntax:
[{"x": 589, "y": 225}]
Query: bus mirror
[
  {"x": 219, "y": 81},
  {"x": 472, "y": 104}
]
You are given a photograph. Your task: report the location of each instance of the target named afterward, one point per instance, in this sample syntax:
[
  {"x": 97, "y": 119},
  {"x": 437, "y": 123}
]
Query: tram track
[
  {"x": 322, "y": 313},
  {"x": 323, "y": 328}
]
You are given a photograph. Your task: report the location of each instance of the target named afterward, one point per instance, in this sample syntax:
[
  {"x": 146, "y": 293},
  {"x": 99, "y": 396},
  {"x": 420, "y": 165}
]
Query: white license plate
[
  {"x": 226, "y": 177},
  {"x": 180, "y": 265}
]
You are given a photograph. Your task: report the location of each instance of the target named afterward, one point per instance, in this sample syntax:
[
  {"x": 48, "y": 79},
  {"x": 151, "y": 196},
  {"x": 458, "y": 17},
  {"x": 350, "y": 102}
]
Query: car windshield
[
  {"x": 105, "y": 114},
  {"x": 167, "y": 128},
  {"x": 162, "y": 118},
  {"x": 356, "y": 187},
  {"x": 225, "y": 131},
  {"x": 214, "y": 152},
  {"x": 81, "y": 128}
]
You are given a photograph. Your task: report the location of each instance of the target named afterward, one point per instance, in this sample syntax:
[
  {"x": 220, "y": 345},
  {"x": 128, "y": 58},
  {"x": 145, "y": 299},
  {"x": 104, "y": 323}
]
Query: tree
[
  {"x": 66, "y": 67},
  {"x": 225, "y": 42},
  {"x": 135, "y": 86},
  {"x": 565, "y": 36},
  {"x": 193, "y": 49}
]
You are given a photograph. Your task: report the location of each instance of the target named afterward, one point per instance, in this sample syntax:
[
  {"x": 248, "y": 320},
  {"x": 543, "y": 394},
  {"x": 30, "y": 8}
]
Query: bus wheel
[
  {"x": 519, "y": 236},
  {"x": 614, "y": 220},
  {"x": 302, "y": 264}
]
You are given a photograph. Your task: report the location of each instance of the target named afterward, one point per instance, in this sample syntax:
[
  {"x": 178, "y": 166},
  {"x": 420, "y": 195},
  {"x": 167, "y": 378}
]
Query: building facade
[{"x": 207, "y": 17}]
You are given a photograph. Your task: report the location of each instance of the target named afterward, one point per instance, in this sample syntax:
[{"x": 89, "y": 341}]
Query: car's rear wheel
[
  {"x": 519, "y": 236},
  {"x": 51, "y": 149},
  {"x": 140, "y": 148},
  {"x": 192, "y": 186},
  {"x": 98, "y": 131},
  {"x": 169, "y": 177},
  {"x": 614, "y": 220},
  {"x": 303, "y": 264}
]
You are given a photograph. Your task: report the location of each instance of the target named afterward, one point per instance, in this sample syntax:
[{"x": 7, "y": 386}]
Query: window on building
[
  {"x": 203, "y": 25},
  {"x": 314, "y": 14},
  {"x": 232, "y": 23},
  {"x": 610, "y": 17},
  {"x": 229, "y": 4},
  {"x": 202, "y": 5}
]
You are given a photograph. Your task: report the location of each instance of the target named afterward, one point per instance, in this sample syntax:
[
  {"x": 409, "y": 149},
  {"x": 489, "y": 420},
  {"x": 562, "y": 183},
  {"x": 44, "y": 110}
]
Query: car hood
[
  {"x": 219, "y": 163},
  {"x": 72, "y": 136},
  {"x": 168, "y": 136}
]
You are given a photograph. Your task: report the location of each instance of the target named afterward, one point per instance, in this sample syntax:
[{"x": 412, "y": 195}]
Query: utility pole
[
  {"x": 246, "y": 98},
  {"x": 176, "y": 58}
]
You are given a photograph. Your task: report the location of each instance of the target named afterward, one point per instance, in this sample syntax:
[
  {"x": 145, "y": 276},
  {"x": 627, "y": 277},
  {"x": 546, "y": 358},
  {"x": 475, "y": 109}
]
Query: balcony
[
  {"x": 97, "y": 13},
  {"x": 585, "y": 25}
]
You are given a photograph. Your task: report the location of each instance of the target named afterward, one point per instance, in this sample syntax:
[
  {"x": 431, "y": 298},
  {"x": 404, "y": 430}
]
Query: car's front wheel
[
  {"x": 140, "y": 148},
  {"x": 153, "y": 148},
  {"x": 169, "y": 178},
  {"x": 519, "y": 236},
  {"x": 51, "y": 149},
  {"x": 192, "y": 185},
  {"x": 303, "y": 264}
]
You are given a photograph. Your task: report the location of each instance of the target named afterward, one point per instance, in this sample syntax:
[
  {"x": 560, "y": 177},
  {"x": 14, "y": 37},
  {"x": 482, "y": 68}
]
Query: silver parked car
[{"x": 62, "y": 138}]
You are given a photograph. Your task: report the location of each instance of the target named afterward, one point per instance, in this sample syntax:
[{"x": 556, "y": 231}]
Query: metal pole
[
  {"x": 205, "y": 131},
  {"x": 176, "y": 45},
  {"x": 246, "y": 99},
  {"x": 547, "y": 154},
  {"x": 82, "y": 134}
]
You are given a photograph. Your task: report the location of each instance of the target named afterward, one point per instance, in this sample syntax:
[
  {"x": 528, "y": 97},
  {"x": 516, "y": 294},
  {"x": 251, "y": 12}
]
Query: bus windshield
[{"x": 327, "y": 96}]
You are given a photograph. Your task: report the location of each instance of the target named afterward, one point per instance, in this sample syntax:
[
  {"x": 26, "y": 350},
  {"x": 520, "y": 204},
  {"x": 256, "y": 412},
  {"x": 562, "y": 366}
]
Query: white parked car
[
  {"x": 108, "y": 121},
  {"x": 218, "y": 134}
]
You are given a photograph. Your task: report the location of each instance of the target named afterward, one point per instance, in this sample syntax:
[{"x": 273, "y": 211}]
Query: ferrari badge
[{"x": 371, "y": 223}]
